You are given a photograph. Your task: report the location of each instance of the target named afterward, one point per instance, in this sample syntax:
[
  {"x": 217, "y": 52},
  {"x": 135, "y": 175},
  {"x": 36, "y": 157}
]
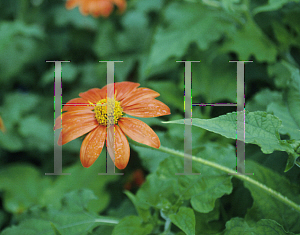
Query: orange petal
[
  {"x": 148, "y": 108},
  {"x": 121, "y": 4},
  {"x": 124, "y": 89},
  {"x": 84, "y": 7},
  {"x": 122, "y": 151},
  {"x": 76, "y": 104},
  {"x": 92, "y": 146},
  {"x": 2, "y": 127},
  {"x": 93, "y": 95},
  {"x": 139, "y": 131},
  {"x": 138, "y": 96},
  {"x": 76, "y": 124},
  {"x": 103, "y": 8},
  {"x": 72, "y": 3}
]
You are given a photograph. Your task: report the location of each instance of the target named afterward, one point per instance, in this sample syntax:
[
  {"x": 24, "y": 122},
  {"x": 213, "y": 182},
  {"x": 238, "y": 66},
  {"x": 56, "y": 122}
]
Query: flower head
[
  {"x": 96, "y": 7},
  {"x": 90, "y": 114}
]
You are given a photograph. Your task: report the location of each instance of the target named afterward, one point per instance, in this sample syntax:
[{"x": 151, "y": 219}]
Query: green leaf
[
  {"x": 56, "y": 232},
  {"x": 185, "y": 220},
  {"x": 210, "y": 76},
  {"x": 30, "y": 227},
  {"x": 272, "y": 5},
  {"x": 81, "y": 178},
  {"x": 141, "y": 208},
  {"x": 289, "y": 126},
  {"x": 280, "y": 73},
  {"x": 267, "y": 207},
  {"x": 72, "y": 218},
  {"x": 132, "y": 225},
  {"x": 293, "y": 97},
  {"x": 25, "y": 186},
  {"x": 16, "y": 107},
  {"x": 184, "y": 17},
  {"x": 264, "y": 226},
  {"x": 22, "y": 186},
  {"x": 19, "y": 45},
  {"x": 262, "y": 99},
  {"x": 260, "y": 128},
  {"x": 163, "y": 188},
  {"x": 37, "y": 133},
  {"x": 257, "y": 45}
]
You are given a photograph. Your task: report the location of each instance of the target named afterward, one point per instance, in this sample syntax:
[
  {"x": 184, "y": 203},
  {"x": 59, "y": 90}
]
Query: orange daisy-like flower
[
  {"x": 89, "y": 114},
  {"x": 96, "y": 7}
]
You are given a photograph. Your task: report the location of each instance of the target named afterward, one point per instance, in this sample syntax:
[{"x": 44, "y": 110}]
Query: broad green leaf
[
  {"x": 132, "y": 225},
  {"x": 264, "y": 226},
  {"x": 272, "y": 5},
  {"x": 15, "y": 108},
  {"x": 141, "y": 208},
  {"x": 289, "y": 126},
  {"x": 170, "y": 92},
  {"x": 22, "y": 187},
  {"x": 267, "y": 207},
  {"x": 293, "y": 97},
  {"x": 185, "y": 220},
  {"x": 30, "y": 227},
  {"x": 19, "y": 45},
  {"x": 209, "y": 222},
  {"x": 209, "y": 77},
  {"x": 260, "y": 128},
  {"x": 72, "y": 218},
  {"x": 263, "y": 99},
  {"x": 35, "y": 130},
  {"x": 195, "y": 20},
  {"x": 25, "y": 186},
  {"x": 258, "y": 44},
  {"x": 81, "y": 178},
  {"x": 163, "y": 188},
  {"x": 56, "y": 232},
  {"x": 280, "y": 73}
]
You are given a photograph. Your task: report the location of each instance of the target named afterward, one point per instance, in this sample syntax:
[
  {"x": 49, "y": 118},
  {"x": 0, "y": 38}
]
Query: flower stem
[{"x": 245, "y": 178}]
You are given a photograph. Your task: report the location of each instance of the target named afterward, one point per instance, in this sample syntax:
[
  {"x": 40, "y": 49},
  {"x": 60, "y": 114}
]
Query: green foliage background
[{"x": 149, "y": 38}]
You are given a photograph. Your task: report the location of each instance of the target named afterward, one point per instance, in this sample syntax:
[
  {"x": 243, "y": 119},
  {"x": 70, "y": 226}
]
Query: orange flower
[
  {"x": 89, "y": 114},
  {"x": 2, "y": 127},
  {"x": 96, "y": 7}
]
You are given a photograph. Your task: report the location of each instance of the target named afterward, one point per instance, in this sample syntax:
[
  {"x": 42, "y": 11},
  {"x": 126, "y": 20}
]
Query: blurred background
[{"x": 149, "y": 37}]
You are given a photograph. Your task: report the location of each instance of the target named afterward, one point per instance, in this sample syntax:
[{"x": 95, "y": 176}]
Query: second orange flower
[
  {"x": 97, "y": 7},
  {"x": 88, "y": 114}
]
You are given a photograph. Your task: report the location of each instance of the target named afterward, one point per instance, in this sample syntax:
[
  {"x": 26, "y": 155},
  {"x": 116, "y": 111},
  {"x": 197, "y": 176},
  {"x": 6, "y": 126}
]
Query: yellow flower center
[{"x": 108, "y": 111}]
